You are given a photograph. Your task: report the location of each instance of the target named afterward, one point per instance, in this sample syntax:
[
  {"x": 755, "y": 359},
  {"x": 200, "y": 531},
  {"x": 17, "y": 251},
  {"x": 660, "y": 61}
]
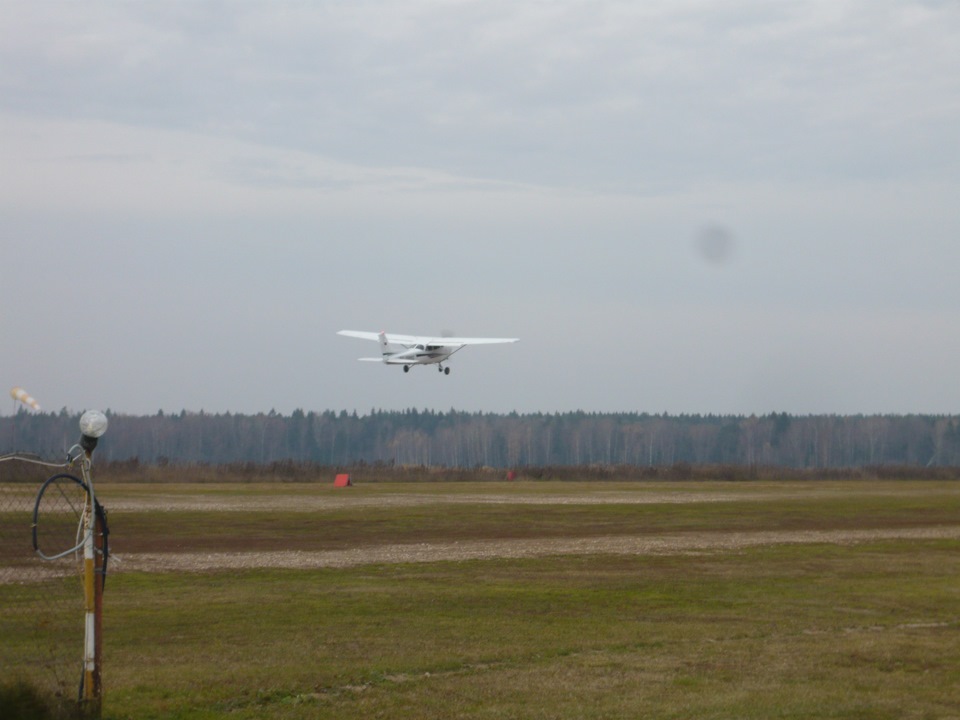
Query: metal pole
[
  {"x": 99, "y": 571},
  {"x": 92, "y": 589},
  {"x": 93, "y": 424}
]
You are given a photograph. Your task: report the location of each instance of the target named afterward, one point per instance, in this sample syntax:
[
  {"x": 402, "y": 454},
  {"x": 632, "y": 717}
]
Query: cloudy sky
[{"x": 690, "y": 206}]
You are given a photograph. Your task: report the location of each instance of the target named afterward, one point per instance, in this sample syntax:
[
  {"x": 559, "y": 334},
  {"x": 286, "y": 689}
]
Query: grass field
[{"x": 695, "y": 600}]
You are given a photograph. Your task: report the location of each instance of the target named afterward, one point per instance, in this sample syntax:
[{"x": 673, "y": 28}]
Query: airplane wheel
[
  {"x": 446, "y": 371},
  {"x": 406, "y": 368}
]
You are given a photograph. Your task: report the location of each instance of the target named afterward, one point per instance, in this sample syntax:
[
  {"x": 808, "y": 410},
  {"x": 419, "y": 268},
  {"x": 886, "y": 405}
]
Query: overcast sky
[{"x": 684, "y": 206}]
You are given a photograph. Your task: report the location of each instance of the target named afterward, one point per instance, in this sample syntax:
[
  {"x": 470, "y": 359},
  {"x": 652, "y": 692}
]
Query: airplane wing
[
  {"x": 397, "y": 339},
  {"x": 460, "y": 341},
  {"x": 392, "y": 338},
  {"x": 363, "y": 335}
]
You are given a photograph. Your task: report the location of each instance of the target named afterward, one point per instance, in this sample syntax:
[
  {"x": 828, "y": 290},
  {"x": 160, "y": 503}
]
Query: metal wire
[
  {"x": 42, "y": 595},
  {"x": 54, "y": 505},
  {"x": 35, "y": 460}
]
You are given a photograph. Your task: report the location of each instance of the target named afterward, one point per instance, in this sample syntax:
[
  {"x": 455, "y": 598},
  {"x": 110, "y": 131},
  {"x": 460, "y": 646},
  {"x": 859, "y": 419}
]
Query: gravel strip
[
  {"x": 489, "y": 549},
  {"x": 321, "y": 502}
]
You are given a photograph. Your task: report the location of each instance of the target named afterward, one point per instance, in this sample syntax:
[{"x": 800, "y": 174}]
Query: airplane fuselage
[{"x": 419, "y": 354}]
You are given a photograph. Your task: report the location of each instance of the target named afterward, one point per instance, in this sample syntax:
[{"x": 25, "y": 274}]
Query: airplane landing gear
[
  {"x": 406, "y": 368},
  {"x": 445, "y": 371}
]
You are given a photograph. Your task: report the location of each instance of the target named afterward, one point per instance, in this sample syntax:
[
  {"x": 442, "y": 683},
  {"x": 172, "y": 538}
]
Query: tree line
[{"x": 457, "y": 439}]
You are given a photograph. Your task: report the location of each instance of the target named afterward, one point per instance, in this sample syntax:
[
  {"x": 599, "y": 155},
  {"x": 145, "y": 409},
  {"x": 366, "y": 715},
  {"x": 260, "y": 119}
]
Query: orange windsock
[{"x": 23, "y": 396}]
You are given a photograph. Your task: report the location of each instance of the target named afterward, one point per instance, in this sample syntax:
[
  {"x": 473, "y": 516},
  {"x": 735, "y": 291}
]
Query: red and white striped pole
[{"x": 93, "y": 424}]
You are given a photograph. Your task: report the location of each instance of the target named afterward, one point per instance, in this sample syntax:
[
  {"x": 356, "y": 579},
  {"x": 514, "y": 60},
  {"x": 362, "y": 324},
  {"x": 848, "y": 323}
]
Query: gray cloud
[{"x": 240, "y": 181}]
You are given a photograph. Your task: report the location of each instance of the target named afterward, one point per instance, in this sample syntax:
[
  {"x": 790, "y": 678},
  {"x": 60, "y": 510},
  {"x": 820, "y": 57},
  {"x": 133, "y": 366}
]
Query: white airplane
[{"x": 410, "y": 350}]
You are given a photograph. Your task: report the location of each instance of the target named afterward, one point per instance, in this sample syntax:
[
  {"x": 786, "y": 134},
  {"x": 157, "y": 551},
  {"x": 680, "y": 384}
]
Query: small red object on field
[{"x": 342, "y": 480}]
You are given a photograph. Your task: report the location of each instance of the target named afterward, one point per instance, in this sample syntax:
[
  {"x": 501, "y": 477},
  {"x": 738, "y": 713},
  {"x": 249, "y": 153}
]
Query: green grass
[
  {"x": 21, "y": 700},
  {"x": 783, "y": 631},
  {"x": 870, "y": 630}
]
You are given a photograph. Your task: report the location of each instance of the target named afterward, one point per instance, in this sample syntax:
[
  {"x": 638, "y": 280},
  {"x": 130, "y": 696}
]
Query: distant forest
[{"x": 472, "y": 440}]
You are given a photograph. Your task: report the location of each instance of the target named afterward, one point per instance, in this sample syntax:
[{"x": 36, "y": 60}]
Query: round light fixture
[{"x": 93, "y": 424}]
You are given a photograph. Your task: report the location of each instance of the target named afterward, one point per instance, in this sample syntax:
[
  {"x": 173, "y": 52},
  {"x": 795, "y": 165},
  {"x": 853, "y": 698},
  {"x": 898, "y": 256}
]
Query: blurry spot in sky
[{"x": 715, "y": 244}]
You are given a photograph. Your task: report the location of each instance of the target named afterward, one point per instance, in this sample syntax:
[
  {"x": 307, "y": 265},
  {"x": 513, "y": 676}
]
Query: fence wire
[{"x": 41, "y": 601}]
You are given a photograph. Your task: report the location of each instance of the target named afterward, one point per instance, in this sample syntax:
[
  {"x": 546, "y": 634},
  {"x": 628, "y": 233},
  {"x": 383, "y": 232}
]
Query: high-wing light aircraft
[{"x": 407, "y": 350}]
